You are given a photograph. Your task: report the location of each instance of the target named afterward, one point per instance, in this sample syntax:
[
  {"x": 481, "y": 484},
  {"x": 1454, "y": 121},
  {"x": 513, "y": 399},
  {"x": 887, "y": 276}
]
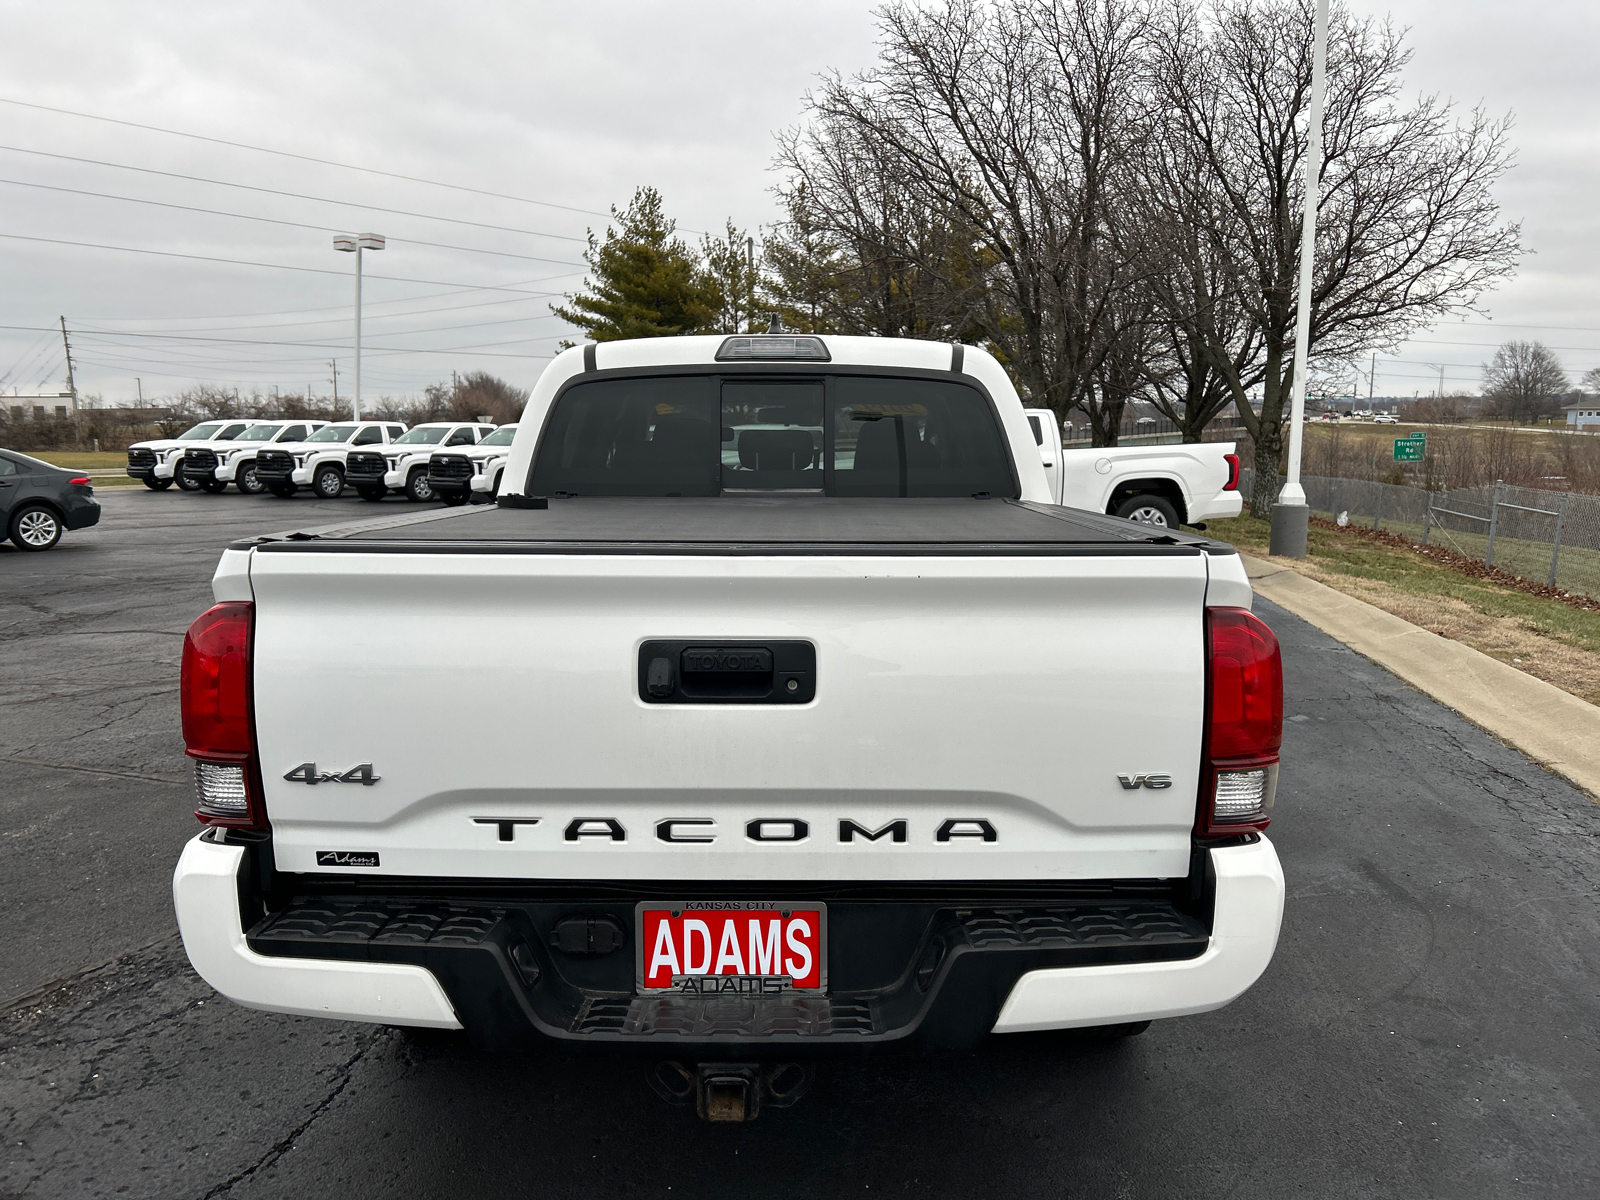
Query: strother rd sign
[{"x": 1411, "y": 447}]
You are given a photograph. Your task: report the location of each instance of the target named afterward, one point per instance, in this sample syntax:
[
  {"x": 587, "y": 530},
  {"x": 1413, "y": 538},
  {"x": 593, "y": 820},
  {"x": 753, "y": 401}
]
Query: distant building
[
  {"x": 1584, "y": 413},
  {"x": 37, "y": 406}
]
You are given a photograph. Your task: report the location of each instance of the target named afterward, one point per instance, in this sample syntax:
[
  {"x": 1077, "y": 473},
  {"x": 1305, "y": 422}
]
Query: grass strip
[{"x": 1552, "y": 635}]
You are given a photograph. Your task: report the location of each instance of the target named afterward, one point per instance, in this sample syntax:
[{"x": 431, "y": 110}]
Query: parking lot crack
[{"x": 283, "y": 1146}]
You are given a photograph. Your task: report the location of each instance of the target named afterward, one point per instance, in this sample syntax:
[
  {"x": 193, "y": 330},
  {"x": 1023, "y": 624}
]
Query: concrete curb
[{"x": 1554, "y": 728}]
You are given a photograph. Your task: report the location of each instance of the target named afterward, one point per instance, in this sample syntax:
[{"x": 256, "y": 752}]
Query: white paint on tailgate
[{"x": 1013, "y": 690}]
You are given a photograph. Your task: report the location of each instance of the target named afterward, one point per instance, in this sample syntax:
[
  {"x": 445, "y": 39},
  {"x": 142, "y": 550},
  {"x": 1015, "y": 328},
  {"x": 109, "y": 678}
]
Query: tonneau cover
[{"x": 767, "y": 525}]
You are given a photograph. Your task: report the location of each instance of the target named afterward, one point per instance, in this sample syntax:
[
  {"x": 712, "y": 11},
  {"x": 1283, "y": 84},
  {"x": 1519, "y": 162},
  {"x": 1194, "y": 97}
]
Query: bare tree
[
  {"x": 1524, "y": 381},
  {"x": 1407, "y": 229},
  {"x": 860, "y": 251},
  {"x": 1018, "y": 123}
]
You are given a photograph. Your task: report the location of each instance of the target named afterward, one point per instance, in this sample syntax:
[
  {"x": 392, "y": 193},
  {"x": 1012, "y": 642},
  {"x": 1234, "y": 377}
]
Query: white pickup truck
[
  {"x": 1186, "y": 484},
  {"x": 803, "y": 721},
  {"x": 319, "y": 461},
  {"x": 213, "y": 465},
  {"x": 403, "y": 464},
  {"x": 155, "y": 462},
  {"x": 471, "y": 473}
]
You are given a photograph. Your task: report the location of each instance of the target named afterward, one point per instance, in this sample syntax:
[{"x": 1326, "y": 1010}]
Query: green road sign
[
  {"x": 1418, "y": 436},
  {"x": 1409, "y": 449}
]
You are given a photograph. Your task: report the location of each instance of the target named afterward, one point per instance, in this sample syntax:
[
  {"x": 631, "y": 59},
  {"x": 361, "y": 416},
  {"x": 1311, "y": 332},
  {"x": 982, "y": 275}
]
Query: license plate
[{"x": 733, "y": 947}]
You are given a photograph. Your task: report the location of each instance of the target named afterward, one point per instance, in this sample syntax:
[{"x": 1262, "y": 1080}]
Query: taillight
[
  {"x": 81, "y": 479},
  {"x": 1244, "y": 724},
  {"x": 1233, "y": 472},
  {"x": 218, "y": 729}
]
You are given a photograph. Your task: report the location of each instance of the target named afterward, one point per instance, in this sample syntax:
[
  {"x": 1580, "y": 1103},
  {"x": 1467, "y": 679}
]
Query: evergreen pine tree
[{"x": 645, "y": 282}]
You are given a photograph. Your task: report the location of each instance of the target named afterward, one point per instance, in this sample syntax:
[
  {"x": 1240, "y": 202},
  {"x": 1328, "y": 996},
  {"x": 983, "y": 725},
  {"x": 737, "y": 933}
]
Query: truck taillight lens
[
  {"x": 1244, "y": 724},
  {"x": 218, "y": 731},
  {"x": 1233, "y": 472}
]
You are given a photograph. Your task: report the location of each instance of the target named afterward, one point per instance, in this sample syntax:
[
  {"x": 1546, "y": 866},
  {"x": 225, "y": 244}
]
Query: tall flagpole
[{"x": 1290, "y": 516}]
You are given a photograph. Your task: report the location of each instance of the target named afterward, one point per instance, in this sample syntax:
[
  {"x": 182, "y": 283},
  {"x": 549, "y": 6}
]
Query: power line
[
  {"x": 92, "y": 329},
  {"x": 249, "y": 187},
  {"x": 306, "y": 345},
  {"x": 326, "y": 162},
  {"x": 239, "y": 262},
  {"x": 344, "y": 308},
  {"x": 344, "y": 313},
  {"x": 215, "y": 212}
]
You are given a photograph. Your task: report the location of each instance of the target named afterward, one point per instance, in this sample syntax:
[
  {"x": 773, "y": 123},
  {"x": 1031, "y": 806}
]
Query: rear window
[{"x": 836, "y": 435}]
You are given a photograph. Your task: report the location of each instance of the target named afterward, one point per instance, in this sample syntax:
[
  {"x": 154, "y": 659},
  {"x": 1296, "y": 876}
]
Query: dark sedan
[{"x": 38, "y": 501}]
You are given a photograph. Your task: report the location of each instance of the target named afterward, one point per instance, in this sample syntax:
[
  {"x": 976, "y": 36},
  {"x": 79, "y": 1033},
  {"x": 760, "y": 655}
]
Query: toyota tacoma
[{"x": 792, "y": 716}]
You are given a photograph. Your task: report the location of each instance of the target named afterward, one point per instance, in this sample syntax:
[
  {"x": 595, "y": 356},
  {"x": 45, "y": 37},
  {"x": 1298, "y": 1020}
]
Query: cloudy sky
[{"x": 561, "y": 110}]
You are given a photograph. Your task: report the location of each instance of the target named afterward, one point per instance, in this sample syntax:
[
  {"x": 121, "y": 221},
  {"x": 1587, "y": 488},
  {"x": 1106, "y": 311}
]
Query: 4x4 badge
[{"x": 308, "y": 773}]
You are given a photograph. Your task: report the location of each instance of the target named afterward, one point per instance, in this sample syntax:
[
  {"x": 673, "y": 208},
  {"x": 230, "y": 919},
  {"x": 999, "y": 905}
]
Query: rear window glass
[{"x": 840, "y": 435}]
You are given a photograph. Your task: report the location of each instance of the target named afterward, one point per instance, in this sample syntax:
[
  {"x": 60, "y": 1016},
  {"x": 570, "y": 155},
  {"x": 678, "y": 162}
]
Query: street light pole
[
  {"x": 359, "y": 243},
  {"x": 1291, "y": 518}
]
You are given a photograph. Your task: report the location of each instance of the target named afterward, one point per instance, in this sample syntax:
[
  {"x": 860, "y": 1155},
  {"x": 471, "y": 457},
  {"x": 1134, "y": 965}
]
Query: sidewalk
[{"x": 1555, "y": 729}]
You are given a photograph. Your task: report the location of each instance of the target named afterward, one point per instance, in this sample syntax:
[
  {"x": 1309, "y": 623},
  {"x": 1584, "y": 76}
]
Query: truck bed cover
[{"x": 785, "y": 525}]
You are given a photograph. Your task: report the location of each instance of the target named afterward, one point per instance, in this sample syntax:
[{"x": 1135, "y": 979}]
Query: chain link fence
[{"x": 1548, "y": 537}]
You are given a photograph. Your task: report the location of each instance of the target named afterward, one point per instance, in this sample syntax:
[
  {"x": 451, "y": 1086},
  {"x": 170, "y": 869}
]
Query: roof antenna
[{"x": 777, "y": 324}]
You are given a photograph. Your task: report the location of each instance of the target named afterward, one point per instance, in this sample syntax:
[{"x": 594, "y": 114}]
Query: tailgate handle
[{"x": 683, "y": 672}]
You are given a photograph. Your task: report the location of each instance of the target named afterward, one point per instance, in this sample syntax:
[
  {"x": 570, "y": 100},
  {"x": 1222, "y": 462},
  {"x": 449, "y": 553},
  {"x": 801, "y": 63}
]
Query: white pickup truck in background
[
  {"x": 803, "y": 720},
  {"x": 319, "y": 461},
  {"x": 155, "y": 462},
  {"x": 213, "y": 465},
  {"x": 472, "y": 473},
  {"x": 403, "y": 464},
  {"x": 1186, "y": 484}
]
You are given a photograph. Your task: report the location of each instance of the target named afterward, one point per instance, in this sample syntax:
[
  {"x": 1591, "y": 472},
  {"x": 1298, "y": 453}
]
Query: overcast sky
[{"x": 571, "y": 105}]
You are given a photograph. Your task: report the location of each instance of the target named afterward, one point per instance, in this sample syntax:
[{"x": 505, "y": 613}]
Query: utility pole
[
  {"x": 71, "y": 386},
  {"x": 334, "y": 363},
  {"x": 139, "y": 383},
  {"x": 750, "y": 279},
  {"x": 1371, "y": 375},
  {"x": 1291, "y": 517}
]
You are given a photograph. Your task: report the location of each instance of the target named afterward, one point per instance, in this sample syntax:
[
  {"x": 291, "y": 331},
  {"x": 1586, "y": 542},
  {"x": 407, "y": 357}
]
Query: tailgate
[{"x": 971, "y": 716}]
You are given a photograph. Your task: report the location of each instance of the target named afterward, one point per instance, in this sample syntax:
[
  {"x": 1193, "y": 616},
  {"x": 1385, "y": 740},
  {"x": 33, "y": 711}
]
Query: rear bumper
[
  {"x": 1247, "y": 912},
  {"x": 206, "y": 890},
  {"x": 80, "y": 512},
  {"x": 904, "y": 971},
  {"x": 1219, "y": 507}
]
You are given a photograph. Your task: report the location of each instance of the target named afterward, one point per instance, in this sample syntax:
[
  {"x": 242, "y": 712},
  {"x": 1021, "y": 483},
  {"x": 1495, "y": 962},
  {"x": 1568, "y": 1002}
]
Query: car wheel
[
  {"x": 184, "y": 482},
  {"x": 282, "y": 490},
  {"x": 372, "y": 491},
  {"x": 417, "y": 486},
  {"x": 248, "y": 482},
  {"x": 1149, "y": 510},
  {"x": 157, "y": 485},
  {"x": 35, "y": 527},
  {"x": 328, "y": 482},
  {"x": 214, "y": 486}
]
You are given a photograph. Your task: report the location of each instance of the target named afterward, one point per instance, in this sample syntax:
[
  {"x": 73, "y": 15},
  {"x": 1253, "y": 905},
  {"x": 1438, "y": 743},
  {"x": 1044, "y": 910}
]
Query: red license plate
[{"x": 732, "y": 947}]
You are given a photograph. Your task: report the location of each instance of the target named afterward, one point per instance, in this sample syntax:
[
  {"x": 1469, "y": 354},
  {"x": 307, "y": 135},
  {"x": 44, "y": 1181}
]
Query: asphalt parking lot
[{"x": 1430, "y": 1026}]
